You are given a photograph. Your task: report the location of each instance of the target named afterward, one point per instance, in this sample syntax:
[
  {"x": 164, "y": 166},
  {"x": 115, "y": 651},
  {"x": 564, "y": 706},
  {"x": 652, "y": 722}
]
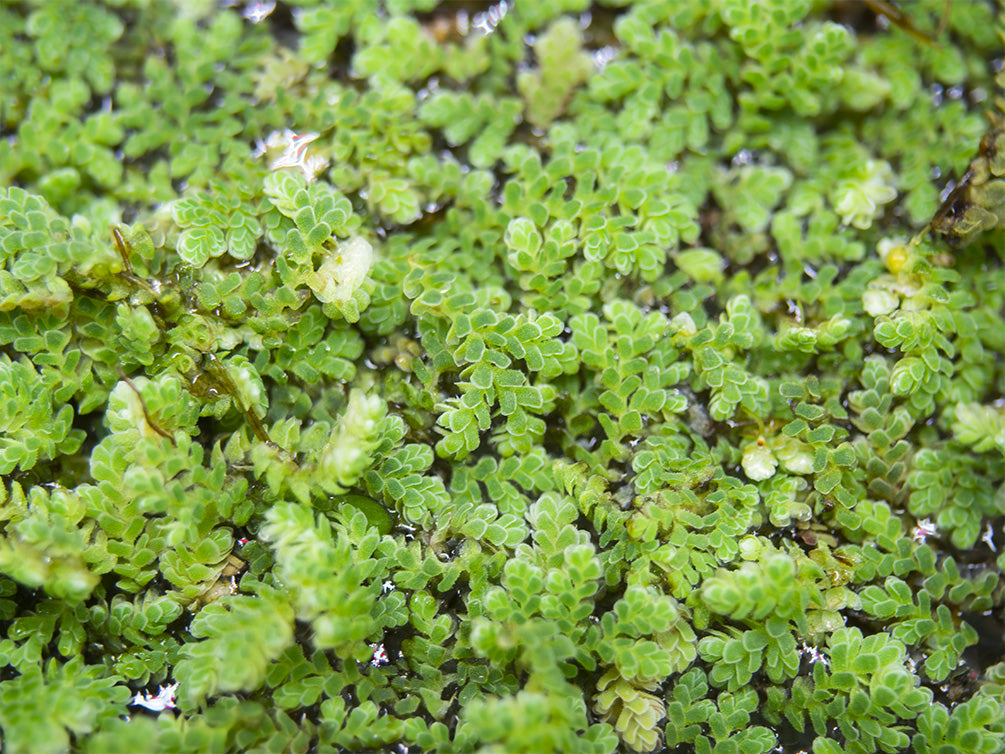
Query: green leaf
[{"x": 238, "y": 640}]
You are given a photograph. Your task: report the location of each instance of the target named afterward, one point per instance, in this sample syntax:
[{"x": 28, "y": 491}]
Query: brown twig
[
  {"x": 143, "y": 405},
  {"x": 897, "y": 17}
]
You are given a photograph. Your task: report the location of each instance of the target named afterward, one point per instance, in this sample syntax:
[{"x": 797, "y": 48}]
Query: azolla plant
[{"x": 414, "y": 376}]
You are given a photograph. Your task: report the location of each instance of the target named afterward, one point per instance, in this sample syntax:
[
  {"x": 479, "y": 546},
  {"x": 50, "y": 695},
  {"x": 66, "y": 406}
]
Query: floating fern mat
[{"x": 418, "y": 377}]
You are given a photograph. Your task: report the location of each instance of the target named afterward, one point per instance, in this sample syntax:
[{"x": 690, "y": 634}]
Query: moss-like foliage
[{"x": 546, "y": 376}]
